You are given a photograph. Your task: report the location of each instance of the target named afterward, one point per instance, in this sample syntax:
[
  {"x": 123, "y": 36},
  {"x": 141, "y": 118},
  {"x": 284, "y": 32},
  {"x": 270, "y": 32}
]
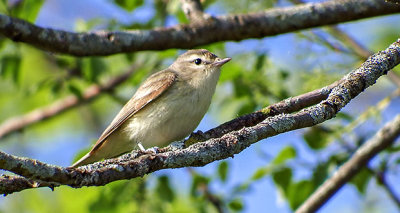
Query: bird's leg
[
  {"x": 141, "y": 147},
  {"x": 152, "y": 149}
]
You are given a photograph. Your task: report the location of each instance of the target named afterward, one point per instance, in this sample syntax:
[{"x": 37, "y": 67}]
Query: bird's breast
[{"x": 171, "y": 117}]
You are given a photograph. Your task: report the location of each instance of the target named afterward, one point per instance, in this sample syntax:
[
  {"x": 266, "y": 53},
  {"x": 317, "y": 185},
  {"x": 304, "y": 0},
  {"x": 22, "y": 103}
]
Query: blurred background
[{"x": 274, "y": 175}]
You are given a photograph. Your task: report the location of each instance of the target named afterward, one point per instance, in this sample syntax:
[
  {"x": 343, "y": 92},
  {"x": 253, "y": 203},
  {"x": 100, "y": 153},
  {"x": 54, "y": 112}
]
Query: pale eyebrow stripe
[
  {"x": 203, "y": 56},
  {"x": 196, "y": 56}
]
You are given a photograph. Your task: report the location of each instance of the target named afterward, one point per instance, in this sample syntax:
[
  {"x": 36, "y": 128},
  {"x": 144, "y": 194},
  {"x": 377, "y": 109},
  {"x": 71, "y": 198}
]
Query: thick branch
[
  {"x": 286, "y": 106},
  {"x": 224, "y": 28},
  {"x": 383, "y": 139},
  {"x": 136, "y": 165},
  {"x": 18, "y": 123}
]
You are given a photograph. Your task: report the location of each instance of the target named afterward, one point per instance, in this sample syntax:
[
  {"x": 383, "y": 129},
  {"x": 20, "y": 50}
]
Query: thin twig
[
  {"x": 361, "y": 51},
  {"x": 356, "y": 47},
  {"x": 381, "y": 177}
]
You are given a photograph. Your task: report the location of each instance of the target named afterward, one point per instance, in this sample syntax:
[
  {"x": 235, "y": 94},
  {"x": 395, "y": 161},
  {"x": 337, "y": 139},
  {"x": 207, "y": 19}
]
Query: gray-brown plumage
[{"x": 167, "y": 107}]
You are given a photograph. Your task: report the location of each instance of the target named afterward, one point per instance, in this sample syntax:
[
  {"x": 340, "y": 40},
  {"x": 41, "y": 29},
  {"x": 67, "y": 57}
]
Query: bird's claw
[{"x": 153, "y": 150}]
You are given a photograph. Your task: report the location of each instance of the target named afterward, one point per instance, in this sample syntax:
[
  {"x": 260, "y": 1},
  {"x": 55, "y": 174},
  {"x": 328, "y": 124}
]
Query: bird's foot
[
  {"x": 153, "y": 150},
  {"x": 141, "y": 147}
]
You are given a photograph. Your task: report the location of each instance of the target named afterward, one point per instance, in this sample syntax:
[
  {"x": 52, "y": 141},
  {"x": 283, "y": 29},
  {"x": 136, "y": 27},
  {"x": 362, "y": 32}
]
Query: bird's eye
[{"x": 197, "y": 61}]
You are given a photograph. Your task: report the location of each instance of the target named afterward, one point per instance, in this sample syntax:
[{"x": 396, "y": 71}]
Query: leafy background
[{"x": 274, "y": 175}]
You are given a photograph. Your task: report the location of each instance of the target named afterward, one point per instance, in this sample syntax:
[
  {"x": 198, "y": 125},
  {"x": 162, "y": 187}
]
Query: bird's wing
[{"x": 150, "y": 90}]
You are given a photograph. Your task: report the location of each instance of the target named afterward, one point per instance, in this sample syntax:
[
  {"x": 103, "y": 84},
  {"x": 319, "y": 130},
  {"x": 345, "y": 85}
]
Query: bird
[{"x": 166, "y": 107}]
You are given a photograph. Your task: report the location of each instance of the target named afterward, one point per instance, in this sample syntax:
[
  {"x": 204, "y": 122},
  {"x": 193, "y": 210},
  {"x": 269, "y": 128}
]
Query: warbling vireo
[{"x": 167, "y": 107}]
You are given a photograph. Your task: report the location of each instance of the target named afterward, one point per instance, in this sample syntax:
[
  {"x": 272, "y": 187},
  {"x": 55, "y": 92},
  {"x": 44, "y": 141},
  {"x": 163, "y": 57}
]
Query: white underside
[{"x": 163, "y": 121}]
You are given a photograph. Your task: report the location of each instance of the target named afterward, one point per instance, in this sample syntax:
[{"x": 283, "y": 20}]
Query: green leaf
[
  {"x": 82, "y": 25},
  {"x": 180, "y": 15},
  {"x": 361, "y": 179},
  {"x": 119, "y": 196},
  {"x": 393, "y": 149},
  {"x": 3, "y": 6},
  {"x": 27, "y": 10},
  {"x": 344, "y": 116},
  {"x": 74, "y": 89},
  {"x": 317, "y": 137},
  {"x": 10, "y": 67},
  {"x": 236, "y": 205},
  {"x": 92, "y": 68},
  {"x": 64, "y": 61},
  {"x": 231, "y": 71},
  {"x": 320, "y": 173},
  {"x": 198, "y": 180},
  {"x": 129, "y": 5},
  {"x": 260, "y": 61},
  {"x": 283, "y": 74},
  {"x": 286, "y": 153},
  {"x": 269, "y": 3},
  {"x": 98, "y": 67},
  {"x": 298, "y": 192},
  {"x": 244, "y": 187},
  {"x": 260, "y": 173},
  {"x": 282, "y": 178},
  {"x": 223, "y": 168},
  {"x": 339, "y": 158},
  {"x": 55, "y": 87},
  {"x": 164, "y": 189},
  {"x": 130, "y": 57},
  {"x": 246, "y": 107},
  {"x": 241, "y": 88}
]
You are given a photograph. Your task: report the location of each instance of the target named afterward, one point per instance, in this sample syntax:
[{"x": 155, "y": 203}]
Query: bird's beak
[{"x": 219, "y": 62}]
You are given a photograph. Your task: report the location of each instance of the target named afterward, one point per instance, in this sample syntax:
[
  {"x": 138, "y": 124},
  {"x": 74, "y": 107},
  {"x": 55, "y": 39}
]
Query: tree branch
[
  {"x": 137, "y": 164},
  {"x": 194, "y": 11},
  {"x": 286, "y": 106},
  {"x": 11, "y": 184},
  {"x": 358, "y": 49},
  {"x": 56, "y": 108},
  {"x": 382, "y": 139},
  {"x": 361, "y": 51},
  {"x": 225, "y": 28}
]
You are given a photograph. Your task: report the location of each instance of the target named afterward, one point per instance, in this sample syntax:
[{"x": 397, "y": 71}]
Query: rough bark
[
  {"x": 199, "y": 154},
  {"x": 224, "y": 28}
]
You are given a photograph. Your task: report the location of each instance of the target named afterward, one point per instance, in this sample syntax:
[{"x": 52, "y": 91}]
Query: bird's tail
[{"x": 87, "y": 159}]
